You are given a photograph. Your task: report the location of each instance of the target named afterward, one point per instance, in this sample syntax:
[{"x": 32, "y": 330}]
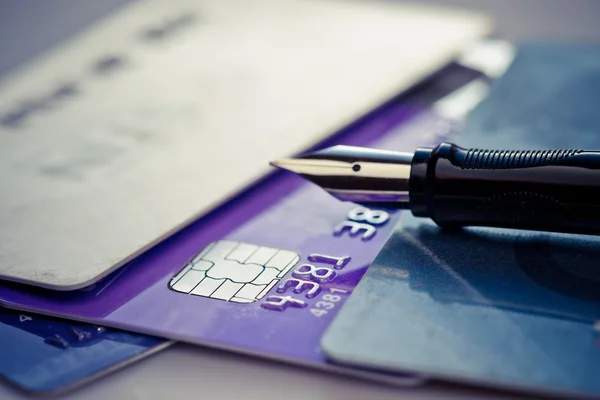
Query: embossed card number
[
  {"x": 311, "y": 288},
  {"x": 362, "y": 222}
]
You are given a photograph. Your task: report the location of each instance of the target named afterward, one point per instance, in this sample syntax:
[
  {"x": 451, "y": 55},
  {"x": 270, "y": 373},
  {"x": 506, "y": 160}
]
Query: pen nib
[{"x": 355, "y": 174}]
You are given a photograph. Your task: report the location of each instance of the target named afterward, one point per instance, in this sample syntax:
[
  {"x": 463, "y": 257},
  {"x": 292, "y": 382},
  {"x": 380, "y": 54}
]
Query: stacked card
[
  {"x": 134, "y": 165},
  {"x": 496, "y": 307}
]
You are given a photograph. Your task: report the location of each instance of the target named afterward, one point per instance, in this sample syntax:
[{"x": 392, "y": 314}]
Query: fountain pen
[{"x": 544, "y": 190}]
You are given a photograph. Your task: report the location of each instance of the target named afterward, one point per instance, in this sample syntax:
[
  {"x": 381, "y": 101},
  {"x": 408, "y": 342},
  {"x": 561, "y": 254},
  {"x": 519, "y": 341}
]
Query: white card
[{"x": 163, "y": 110}]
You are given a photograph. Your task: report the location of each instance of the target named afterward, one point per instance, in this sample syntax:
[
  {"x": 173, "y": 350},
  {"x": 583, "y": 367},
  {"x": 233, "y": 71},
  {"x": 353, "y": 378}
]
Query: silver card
[{"x": 165, "y": 109}]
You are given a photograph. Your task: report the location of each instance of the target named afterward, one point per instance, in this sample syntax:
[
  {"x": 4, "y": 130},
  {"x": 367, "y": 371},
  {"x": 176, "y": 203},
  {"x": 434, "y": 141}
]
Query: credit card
[
  {"x": 264, "y": 274},
  {"x": 503, "y": 308},
  {"x": 164, "y": 93},
  {"x": 46, "y": 355}
]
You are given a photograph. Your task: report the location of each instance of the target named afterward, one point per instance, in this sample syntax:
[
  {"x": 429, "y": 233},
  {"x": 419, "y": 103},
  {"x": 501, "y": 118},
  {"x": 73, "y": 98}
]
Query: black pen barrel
[{"x": 548, "y": 190}]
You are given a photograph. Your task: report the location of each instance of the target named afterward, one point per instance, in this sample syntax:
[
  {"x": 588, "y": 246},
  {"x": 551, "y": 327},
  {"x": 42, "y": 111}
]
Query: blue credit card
[
  {"x": 506, "y": 308},
  {"x": 47, "y": 355}
]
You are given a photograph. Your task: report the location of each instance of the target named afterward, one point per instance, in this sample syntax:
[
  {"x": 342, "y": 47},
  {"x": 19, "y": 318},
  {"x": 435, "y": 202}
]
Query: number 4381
[{"x": 327, "y": 302}]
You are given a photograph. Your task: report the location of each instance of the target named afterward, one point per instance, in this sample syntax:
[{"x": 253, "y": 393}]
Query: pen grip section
[
  {"x": 549, "y": 190},
  {"x": 509, "y": 159}
]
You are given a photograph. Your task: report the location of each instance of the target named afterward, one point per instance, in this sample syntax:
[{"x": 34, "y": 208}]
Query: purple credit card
[{"x": 263, "y": 274}]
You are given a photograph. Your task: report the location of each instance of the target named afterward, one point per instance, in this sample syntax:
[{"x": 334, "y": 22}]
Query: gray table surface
[{"x": 28, "y": 27}]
